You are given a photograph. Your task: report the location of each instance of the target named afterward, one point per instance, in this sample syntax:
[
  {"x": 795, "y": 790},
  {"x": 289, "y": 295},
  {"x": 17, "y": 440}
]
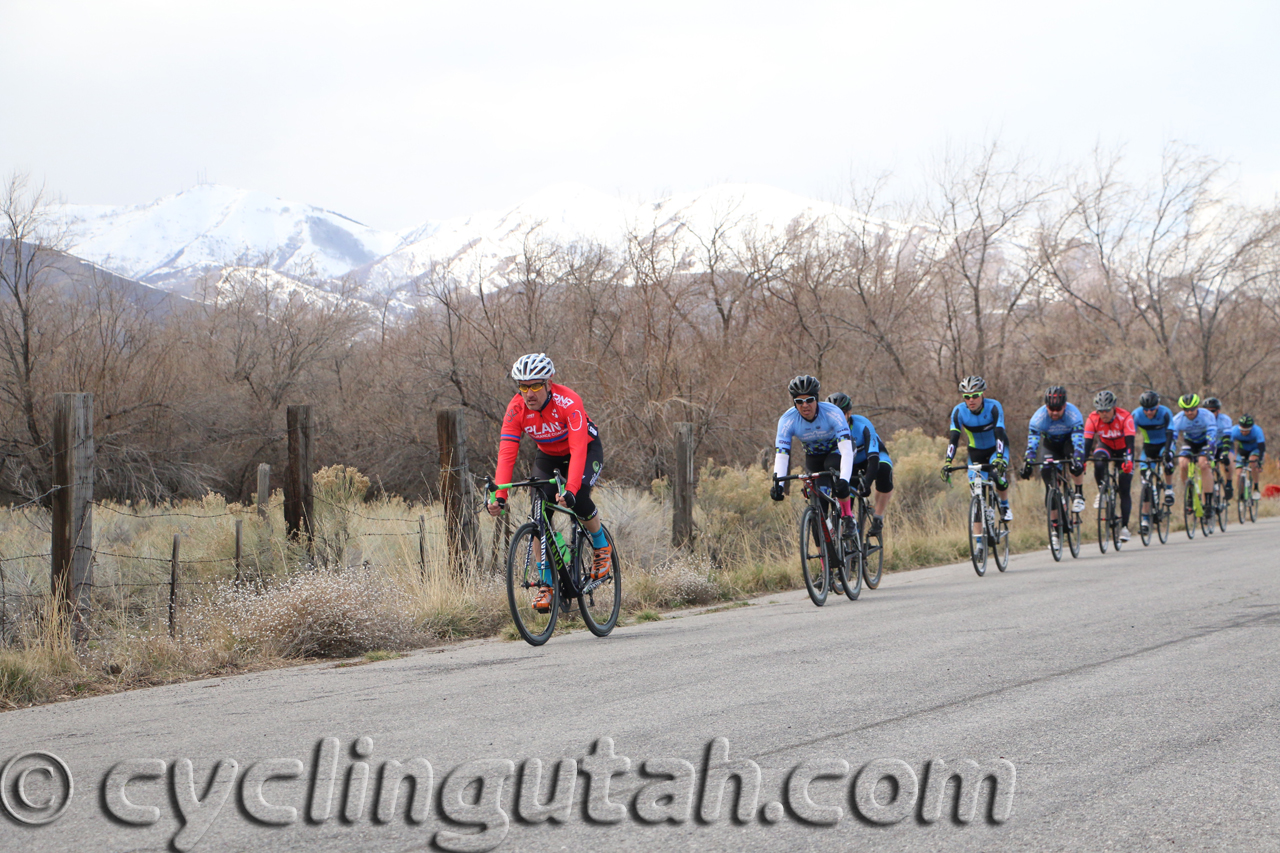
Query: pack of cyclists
[{"x": 846, "y": 447}]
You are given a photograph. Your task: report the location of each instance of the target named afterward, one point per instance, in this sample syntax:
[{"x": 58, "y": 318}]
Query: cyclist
[
  {"x": 1199, "y": 429},
  {"x": 1058, "y": 424},
  {"x": 982, "y": 422},
  {"x": 1112, "y": 426},
  {"x": 869, "y": 463},
  {"x": 822, "y": 432},
  {"x": 1152, "y": 421},
  {"x": 1222, "y": 453},
  {"x": 567, "y": 441},
  {"x": 1250, "y": 445}
]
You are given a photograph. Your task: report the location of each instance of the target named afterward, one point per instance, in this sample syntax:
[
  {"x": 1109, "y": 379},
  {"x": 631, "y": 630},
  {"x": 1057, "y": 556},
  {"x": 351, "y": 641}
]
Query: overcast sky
[{"x": 398, "y": 112}]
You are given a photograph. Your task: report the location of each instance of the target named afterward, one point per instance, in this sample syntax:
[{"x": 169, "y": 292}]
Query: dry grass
[{"x": 364, "y": 590}]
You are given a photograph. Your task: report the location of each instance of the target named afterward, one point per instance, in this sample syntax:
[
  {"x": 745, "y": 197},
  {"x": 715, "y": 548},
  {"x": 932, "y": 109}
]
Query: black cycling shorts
[
  {"x": 544, "y": 464},
  {"x": 883, "y": 476}
]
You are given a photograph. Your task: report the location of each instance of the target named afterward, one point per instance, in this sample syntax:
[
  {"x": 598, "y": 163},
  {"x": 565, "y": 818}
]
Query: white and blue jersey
[
  {"x": 1202, "y": 428},
  {"x": 1071, "y": 425},
  {"x": 1225, "y": 425},
  {"x": 983, "y": 429},
  {"x": 826, "y": 433},
  {"x": 1247, "y": 444},
  {"x": 1154, "y": 430}
]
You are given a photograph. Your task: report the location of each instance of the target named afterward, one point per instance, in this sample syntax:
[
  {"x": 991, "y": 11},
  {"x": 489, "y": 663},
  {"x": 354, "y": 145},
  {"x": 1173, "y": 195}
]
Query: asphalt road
[{"x": 1135, "y": 697}]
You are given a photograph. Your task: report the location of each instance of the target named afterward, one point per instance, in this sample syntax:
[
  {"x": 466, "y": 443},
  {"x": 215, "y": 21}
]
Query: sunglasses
[
  {"x": 973, "y": 396},
  {"x": 800, "y": 401},
  {"x": 1055, "y": 409},
  {"x": 526, "y": 387}
]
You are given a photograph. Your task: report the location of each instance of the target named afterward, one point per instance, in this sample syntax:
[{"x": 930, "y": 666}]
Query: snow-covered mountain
[{"x": 180, "y": 237}]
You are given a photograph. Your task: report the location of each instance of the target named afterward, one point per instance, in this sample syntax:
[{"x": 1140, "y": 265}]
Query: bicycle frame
[{"x": 827, "y": 509}]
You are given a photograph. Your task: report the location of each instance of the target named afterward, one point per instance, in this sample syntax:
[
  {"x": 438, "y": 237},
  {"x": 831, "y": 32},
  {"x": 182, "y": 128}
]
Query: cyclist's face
[
  {"x": 1151, "y": 413},
  {"x": 1056, "y": 414},
  {"x": 535, "y": 397},
  {"x": 974, "y": 402},
  {"x": 1106, "y": 415},
  {"x": 808, "y": 409}
]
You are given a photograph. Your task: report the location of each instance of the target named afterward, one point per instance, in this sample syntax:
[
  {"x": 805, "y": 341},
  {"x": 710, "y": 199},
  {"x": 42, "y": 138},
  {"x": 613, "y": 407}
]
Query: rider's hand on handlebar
[
  {"x": 1025, "y": 473},
  {"x": 946, "y": 471},
  {"x": 566, "y": 499},
  {"x": 841, "y": 489},
  {"x": 775, "y": 492},
  {"x": 497, "y": 506}
]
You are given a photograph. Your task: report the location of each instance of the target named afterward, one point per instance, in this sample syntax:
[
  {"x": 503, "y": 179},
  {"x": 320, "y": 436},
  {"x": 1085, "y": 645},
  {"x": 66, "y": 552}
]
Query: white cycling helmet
[{"x": 531, "y": 367}]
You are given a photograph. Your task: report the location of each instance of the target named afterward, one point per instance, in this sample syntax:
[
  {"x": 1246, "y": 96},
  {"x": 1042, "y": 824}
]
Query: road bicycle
[
  {"x": 539, "y": 557},
  {"x": 1193, "y": 508},
  {"x": 1108, "y": 504},
  {"x": 1064, "y": 524},
  {"x": 1247, "y": 495},
  {"x": 828, "y": 544},
  {"x": 872, "y": 544},
  {"x": 1153, "y": 512},
  {"x": 988, "y": 531}
]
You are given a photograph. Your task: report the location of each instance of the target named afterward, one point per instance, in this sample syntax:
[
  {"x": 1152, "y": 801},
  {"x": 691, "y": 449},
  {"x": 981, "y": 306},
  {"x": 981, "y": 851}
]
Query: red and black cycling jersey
[
  {"x": 1117, "y": 436},
  {"x": 561, "y": 428}
]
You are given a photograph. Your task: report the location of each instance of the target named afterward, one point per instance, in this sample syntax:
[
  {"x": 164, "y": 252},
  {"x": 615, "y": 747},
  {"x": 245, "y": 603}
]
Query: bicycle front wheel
[
  {"x": 1104, "y": 528},
  {"x": 977, "y": 541},
  {"x": 1253, "y": 505},
  {"x": 525, "y": 585},
  {"x": 851, "y": 565},
  {"x": 1072, "y": 527},
  {"x": 1224, "y": 510},
  {"x": 1146, "y": 520},
  {"x": 600, "y": 600},
  {"x": 1162, "y": 515},
  {"x": 1113, "y": 516},
  {"x": 1241, "y": 501},
  {"x": 1189, "y": 510},
  {"x": 1054, "y": 510},
  {"x": 813, "y": 557}
]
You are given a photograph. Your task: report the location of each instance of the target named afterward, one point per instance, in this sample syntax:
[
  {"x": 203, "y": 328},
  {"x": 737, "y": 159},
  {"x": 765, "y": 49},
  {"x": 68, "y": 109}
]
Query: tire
[
  {"x": 1073, "y": 530},
  {"x": 1224, "y": 511},
  {"x": 813, "y": 557},
  {"x": 977, "y": 544},
  {"x": 1146, "y": 500},
  {"x": 600, "y": 601},
  {"x": 1000, "y": 547},
  {"x": 1189, "y": 510},
  {"x": 1253, "y": 506},
  {"x": 1104, "y": 528},
  {"x": 1240, "y": 502},
  {"x": 1206, "y": 521},
  {"x": 1113, "y": 517},
  {"x": 851, "y": 566},
  {"x": 1163, "y": 519},
  {"x": 872, "y": 554},
  {"x": 1053, "y": 504},
  {"x": 523, "y": 578}
]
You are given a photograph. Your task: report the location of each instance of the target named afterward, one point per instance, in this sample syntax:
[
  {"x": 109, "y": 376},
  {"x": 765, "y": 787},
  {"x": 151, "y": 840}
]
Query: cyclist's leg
[
  {"x": 1203, "y": 454},
  {"x": 1184, "y": 463},
  {"x": 884, "y": 490},
  {"x": 846, "y": 504},
  {"x": 819, "y": 463}
]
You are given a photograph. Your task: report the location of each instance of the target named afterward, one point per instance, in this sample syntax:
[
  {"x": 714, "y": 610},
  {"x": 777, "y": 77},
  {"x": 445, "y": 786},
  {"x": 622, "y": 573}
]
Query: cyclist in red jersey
[
  {"x": 568, "y": 442},
  {"x": 1113, "y": 428}
]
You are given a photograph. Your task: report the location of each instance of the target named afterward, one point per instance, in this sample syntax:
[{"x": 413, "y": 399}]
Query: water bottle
[{"x": 562, "y": 547}]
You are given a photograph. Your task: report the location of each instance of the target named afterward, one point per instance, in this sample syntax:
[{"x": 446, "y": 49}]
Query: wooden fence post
[
  {"x": 682, "y": 487},
  {"x": 239, "y": 546},
  {"x": 71, "y": 547},
  {"x": 264, "y": 489},
  {"x": 173, "y": 589},
  {"x": 460, "y": 523},
  {"x": 299, "y": 505},
  {"x": 422, "y": 543}
]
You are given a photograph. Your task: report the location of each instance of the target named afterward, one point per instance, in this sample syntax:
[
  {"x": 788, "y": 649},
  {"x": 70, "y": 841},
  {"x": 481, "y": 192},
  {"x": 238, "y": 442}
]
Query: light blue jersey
[
  {"x": 1224, "y": 429},
  {"x": 1043, "y": 426},
  {"x": 820, "y": 435},
  {"x": 1247, "y": 442},
  {"x": 1203, "y": 427},
  {"x": 866, "y": 441}
]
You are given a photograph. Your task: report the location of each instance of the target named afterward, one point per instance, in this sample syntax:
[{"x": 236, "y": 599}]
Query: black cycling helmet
[
  {"x": 973, "y": 385},
  {"x": 804, "y": 386},
  {"x": 1246, "y": 421},
  {"x": 1213, "y": 404},
  {"x": 1189, "y": 401},
  {"x": 840, "y": 400},
  {"x": 1104, "y": 400},
  {"x": 1149, "y": 400},
  {"x": 1056, "y": 397}
]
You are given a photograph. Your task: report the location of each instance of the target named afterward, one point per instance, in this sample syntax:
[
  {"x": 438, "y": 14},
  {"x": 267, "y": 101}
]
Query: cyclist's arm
[
  {"x": 781, "y": 463},
  {"x": 1077, "y": 442},
  {"x": 579, "y": 438},
  {"x": 1033, "y": 444},
  {"x": 953, "y": 437},
  {"x": 508, "y": 446},
  {"x": 845, "y": 446},
  {"x": 873, "y": 450},
  {"x": 1088, "y": 445}
]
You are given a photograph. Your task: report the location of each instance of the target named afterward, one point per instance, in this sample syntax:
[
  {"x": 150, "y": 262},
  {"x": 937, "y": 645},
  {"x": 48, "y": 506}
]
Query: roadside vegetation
[{"x": 362, "y": 592}]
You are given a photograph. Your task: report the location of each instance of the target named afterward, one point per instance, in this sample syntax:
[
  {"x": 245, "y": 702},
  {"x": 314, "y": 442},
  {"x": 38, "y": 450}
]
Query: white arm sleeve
[
  {"x": 846, "y": 459},
  {"x": 781, "y": 464}
]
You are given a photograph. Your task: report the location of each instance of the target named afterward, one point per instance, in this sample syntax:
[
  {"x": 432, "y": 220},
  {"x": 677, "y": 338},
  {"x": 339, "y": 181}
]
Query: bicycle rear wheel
[
  {"x": 1072, "y": 527},
  {"x": 1224, "y": 509},
  {"x": 978, "y": 541},
  {"x": 872, "y": 552},
  {"x": 1241, "y": 511},
  {"x": 600, "y": 601},
  {"x": 1000, "y": 544},
  {"x": 524, "y": 585},
  {"x": 813, "y": 557},
  {"x": 1253, "y": 504}
]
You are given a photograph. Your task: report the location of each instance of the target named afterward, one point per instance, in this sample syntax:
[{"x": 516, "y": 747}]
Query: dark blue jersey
[{"x": 983, "y": 429}]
